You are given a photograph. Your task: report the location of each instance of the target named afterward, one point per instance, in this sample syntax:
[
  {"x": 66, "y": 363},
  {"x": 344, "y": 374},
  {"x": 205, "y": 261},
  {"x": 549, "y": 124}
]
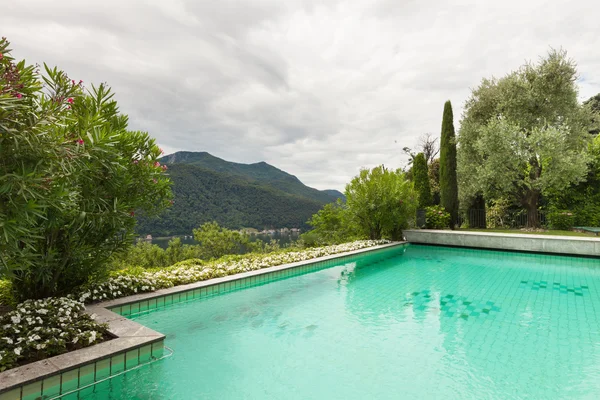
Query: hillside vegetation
[{"x": 234, "y": 201}]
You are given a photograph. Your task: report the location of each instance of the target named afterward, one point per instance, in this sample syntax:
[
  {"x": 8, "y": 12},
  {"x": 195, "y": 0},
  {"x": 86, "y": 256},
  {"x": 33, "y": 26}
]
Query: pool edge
[{"x": 543, "y": 244}]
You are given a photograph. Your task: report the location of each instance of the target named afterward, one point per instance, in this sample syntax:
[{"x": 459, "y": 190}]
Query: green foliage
[
  {"x": 331, "y": 225},
  {"x": 381, "y": 203},
  {"x": 7, "y": 298},
  {"x": 434, "y": 180},
  {"x": 448, "y": 179},
  {"x": 216, "y": 241},
  {"x": 437, "y": 217},
  {"x": 583, "y": 199},
  {"x": 421, "y": 180},
  {"x": 71, "y": 176},
  {"x": 497, "y": 215},
  {"x": 593, "y": 106},
  {"x": 524, "y": 136},
  {"x": 201, "y": 195},
  {"x": 562, "y": 220},
  {"x": 259, "y": 173}
]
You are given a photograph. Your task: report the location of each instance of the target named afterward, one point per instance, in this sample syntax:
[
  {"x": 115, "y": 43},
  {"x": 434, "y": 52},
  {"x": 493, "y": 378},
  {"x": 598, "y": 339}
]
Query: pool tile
[
  {"x": 33, "y": 391},
  {"x": 117, "y": 364},
  {"x": 102, "y": 369},
  {"x": 51, "y": 386},
  {"x": 132, "y": 359},
  {"x": 86, "y": 375},
  {"x": 14, "y": 394},
  {"x": 69, "y": 380}
]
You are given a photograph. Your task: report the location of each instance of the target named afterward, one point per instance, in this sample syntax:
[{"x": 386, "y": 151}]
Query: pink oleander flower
[
  {"x": 80, "y": 82},
  {"x": 162, "y": 151},
  {"x": 164, "y": 167},
  {"x": 157, "y": 164},
  {"x": 73, "y": 81},
  {"x": 18, "y": 95},
  {"x": 135, "y": 161},
  {"x": 80, "y": 142},
  {"x": 132, "y": 213},
  {"x": 70, "y": 100},
  {"x": 154, "y": 180},
  {"x": 1, "y": 56}
]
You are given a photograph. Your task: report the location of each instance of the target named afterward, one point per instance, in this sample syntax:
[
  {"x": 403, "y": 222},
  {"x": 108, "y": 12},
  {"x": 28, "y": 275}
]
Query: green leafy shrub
[
  {"x": 588, "y": 214},
  {"x": 497, "y": 215},
  {"x": 437, "y": 217},
  {"x": 7, "y": 298},
  {"x": 381, "y": 203},
  {"x": 39, "y": 329},
  {"x": 73, "y": 176},
  {"x": 562, "y": 220},
  {"x": 421, "y": 180},
  {"x": 331, "y": 225}
]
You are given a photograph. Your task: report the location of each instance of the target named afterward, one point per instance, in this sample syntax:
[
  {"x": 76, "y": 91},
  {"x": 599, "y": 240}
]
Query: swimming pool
[{"x": 413, "y": 322}]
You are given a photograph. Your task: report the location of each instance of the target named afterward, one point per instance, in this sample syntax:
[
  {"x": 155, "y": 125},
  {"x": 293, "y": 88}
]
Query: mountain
[
  {"x": 335, "y": 193},
  {"x": 207, "y": 188},
  {"x": 261, "y": 173}
]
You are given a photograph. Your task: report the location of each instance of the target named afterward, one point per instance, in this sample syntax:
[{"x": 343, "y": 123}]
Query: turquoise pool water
[{"x": 424, "y": 322}]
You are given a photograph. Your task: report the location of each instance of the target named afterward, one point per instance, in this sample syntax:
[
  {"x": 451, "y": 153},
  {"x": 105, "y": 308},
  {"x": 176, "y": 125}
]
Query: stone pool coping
[
  {"x": 129, "y": 335},
  {"x": 566, "y": 245}
]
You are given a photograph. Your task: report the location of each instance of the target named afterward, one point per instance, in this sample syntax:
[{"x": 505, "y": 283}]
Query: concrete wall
[{"x": 508, "y": 241}]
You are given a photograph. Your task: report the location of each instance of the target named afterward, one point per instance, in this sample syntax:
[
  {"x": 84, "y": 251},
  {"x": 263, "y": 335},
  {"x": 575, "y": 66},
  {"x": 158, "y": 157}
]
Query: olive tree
[{"x": 524, "y": 135}]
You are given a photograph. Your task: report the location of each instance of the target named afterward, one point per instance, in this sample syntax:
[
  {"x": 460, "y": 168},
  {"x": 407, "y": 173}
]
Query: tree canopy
[
  {"x": 421, "y": 180},
  {"x": 524, "y": 135},
  {"x": 381, "y": 202},
  {"x": 448, "y": 173}
]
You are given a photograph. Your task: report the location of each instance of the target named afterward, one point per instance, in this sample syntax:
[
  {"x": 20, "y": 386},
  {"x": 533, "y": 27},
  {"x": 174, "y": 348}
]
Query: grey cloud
[{"x": 319, "y": 89}]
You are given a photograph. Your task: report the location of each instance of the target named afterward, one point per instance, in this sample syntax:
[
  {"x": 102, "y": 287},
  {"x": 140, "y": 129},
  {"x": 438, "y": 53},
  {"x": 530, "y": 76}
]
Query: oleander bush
[
  {"x": 72, "y": 176},
  {"x": 37, "y": 329}
]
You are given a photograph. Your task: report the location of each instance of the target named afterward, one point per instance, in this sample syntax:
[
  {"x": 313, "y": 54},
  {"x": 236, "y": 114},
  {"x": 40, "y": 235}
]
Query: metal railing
[{"x": 493, "y": 219}]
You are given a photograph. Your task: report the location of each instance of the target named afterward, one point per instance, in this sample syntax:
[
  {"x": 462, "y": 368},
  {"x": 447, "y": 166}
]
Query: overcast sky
[{"x": 316, "y": 88}]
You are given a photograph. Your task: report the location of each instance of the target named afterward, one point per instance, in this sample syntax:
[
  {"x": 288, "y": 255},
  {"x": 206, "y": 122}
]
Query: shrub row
[{"x": 138, "y": 280}]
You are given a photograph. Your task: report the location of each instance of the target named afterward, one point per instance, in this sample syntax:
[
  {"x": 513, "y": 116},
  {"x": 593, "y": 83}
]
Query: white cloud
[{"x": 315, "y": 88}]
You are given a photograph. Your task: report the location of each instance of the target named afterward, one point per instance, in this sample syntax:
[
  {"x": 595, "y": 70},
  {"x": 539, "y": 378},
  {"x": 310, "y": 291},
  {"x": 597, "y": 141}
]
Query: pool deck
[
  {"x": 567, "y": 245},
  {"x": 31, "y": 381}
]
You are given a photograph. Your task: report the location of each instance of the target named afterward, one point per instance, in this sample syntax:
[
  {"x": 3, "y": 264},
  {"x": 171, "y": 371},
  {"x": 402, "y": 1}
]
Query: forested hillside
[
  {"x": 202, "y": 195},
  {"x": 260, "y": 173}
]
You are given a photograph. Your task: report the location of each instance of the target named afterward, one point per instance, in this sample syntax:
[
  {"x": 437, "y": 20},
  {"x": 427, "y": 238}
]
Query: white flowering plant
[
  {"x": 37, "y": 329},
  {"x": 137, "y": 280}
]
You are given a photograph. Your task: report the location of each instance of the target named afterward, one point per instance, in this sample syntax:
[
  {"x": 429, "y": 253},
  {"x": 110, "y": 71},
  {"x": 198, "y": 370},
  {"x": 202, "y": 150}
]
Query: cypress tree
[
  {"x": 421, "y": 180},
  {"x": 448, "y": 181}
]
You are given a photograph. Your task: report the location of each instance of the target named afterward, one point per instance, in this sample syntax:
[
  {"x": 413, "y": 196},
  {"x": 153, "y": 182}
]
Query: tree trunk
[{"x": 531, "y": 204}]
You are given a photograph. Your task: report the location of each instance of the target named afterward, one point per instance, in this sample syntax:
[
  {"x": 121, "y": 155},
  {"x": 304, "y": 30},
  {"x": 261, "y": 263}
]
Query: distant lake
[{"x": 283, "y": 238}]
